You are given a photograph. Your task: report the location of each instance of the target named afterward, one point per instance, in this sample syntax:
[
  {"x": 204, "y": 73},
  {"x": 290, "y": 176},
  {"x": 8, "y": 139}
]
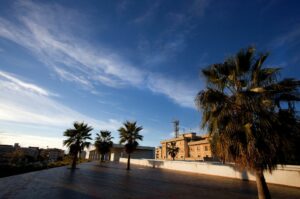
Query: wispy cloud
[
  {"x": 291, "y": 37},
  {"x": 65, "y": 75},
  {"x": 11, "y": 82},
  {"x": 172, "y": 40},
  {"x": 122, "y": 6},
  {"x": 178, "y": 91},
  {"x": 31, "y": 140},
  {"x": 148, "y": 14},
  {"x": 49, "y": 33},
  {"x": 199, "y": 7},
  {"x": 22, "y": 102},
  {"x": 60, "y": 49}
]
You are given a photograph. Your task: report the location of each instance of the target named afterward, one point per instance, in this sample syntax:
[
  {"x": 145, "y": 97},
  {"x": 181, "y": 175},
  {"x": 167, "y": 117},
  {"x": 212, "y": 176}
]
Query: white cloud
[
  {"x": 178, "y": 91},
  {"x": 31, "y": 140},
  {"x": 58, "y": 48},
  {"x": 65, "y": 75},
  {"x": 22, "y": 102},
  {"x": 17, "y": 84},
  {"x": 291, "y": 37},
  {"x": 49, "y": 33},
  {"x": 148, "y": 14}
]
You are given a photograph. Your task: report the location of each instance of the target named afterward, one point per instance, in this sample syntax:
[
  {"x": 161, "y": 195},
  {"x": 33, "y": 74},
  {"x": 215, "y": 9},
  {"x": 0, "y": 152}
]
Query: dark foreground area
[{"x": 112, "y": 181}]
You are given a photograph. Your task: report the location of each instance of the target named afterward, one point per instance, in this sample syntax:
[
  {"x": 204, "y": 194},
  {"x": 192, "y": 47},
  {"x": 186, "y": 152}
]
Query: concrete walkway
[{"x": 113, "y": 181}]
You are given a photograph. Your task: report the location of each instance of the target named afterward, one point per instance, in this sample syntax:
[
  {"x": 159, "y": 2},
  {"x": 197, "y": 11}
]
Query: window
[{"x": 206, "y": 148}]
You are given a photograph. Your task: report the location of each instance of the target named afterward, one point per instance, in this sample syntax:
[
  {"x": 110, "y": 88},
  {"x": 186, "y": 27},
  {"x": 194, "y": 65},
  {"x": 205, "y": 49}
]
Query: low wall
[{"x": 288, "y": 175}]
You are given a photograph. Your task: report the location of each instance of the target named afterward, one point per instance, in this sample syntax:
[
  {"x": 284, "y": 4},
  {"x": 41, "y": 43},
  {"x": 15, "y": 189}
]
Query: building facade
[
  {"x": 191, "y": 147},
  {"x": 52, "y": 154},
  {"x": 82, "y": 155},
  {"x": 31, "y": 154},
  {"x": 117, "y": 152}
]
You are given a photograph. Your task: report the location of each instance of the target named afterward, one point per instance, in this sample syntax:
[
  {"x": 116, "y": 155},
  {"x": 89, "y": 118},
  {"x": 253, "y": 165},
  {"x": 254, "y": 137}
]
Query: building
[
  {"x": 30, "y": 152},
  {"x": 191, "y": 147},
  {"x": 52, "y": 154},
  {"x": 6, "y": 149},
  {"x": 82, "y": 155},
  {"x": 117, "y": 152}
]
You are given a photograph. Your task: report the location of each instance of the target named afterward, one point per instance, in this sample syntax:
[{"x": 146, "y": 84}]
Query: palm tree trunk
[
  {"x": 128, "y": 162},
  {"x": 262, "y": 187},
  {"x": 74, "y": 161},
  {"x": 102, "y": 157}
]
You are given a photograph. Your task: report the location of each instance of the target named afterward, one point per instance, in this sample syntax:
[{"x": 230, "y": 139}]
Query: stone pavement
[{"x": 112, "y": 181}]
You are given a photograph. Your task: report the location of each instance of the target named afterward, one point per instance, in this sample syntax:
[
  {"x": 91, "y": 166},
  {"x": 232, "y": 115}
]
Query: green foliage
[
  {"x": 16, "y": 157},
  {"x": 172, "y": 149},
  {"x": 249, "y": 113},
  {"x": 129, "y": 135},
  {"x": 103, "y": 143},
  {"x": 77, "y": 139}
]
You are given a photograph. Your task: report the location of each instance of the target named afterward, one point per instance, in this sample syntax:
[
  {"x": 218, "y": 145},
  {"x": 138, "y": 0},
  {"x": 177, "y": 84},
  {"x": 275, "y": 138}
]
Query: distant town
[{"x": 16, "y": 159}]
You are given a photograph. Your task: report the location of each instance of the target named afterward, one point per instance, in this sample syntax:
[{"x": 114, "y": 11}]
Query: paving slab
[{"x": 112, "y": 180}]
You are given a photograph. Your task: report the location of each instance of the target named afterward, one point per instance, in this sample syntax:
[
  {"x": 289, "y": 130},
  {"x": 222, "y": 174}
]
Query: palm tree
[
  {"x": 172, "y": 149},
  {"x": 129, "y": 135},
  {"x": 249, "y": 113},
  {"x": 103, "y": 143},
  {"x": 77, "y": 139}
]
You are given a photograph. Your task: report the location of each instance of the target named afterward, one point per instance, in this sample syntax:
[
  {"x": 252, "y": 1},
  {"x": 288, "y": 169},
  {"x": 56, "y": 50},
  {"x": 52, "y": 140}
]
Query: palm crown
[
  {"x": 249, "y": 114},
  {"x": 129, "y": 135},
  {"x": 242, "y": 106},
  {"x": 103, "y": 142},
  {"x": 77, "y": 139}
]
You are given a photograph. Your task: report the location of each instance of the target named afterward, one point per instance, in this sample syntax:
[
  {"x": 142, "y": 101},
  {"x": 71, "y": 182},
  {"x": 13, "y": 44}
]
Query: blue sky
[{"x": 104, "y": 62}]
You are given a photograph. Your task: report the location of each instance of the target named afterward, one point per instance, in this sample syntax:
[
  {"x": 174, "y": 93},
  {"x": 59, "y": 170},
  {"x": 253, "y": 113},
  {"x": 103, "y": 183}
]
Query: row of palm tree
[{"x": 79, "y": 136}]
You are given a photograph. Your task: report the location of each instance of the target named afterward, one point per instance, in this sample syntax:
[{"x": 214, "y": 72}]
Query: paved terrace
[{"x": 113, "y": 181}]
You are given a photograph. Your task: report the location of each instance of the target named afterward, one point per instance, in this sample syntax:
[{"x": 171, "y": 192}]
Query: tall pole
[{"x": 176, "y": 128}]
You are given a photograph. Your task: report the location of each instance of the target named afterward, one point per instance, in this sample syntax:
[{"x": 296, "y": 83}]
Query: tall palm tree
[
  {"x": 129, "y": 135},
  {"x": 77, "y": 139},
  {"x": 249, "y": 113},
  {"x": 103, "y": 143},
  {"x": 172, "y": 149}
]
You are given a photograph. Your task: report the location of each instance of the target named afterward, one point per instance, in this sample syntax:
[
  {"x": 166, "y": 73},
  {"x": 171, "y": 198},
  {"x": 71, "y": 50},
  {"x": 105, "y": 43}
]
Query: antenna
[{"x": 176, "y": 127}]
